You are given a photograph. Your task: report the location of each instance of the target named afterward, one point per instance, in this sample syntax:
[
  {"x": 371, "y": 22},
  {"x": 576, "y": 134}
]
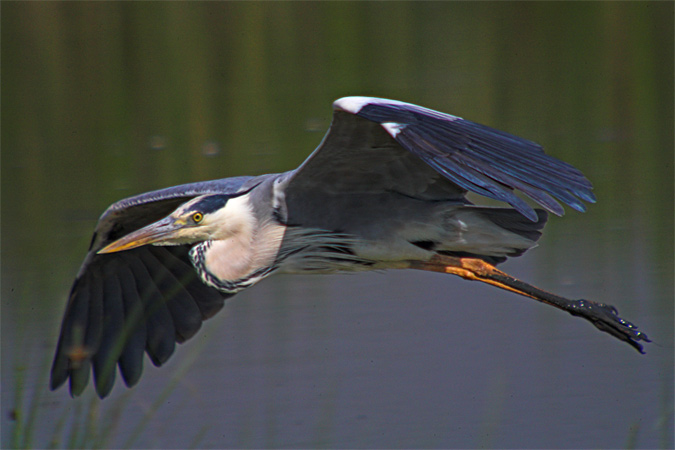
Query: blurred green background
[{"x": 102, "y": 100}]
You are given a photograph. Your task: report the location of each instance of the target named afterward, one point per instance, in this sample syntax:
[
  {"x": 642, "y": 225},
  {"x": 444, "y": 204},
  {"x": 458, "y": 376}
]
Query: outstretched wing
[
  {"x": 378, "y": 145},
  {"x": 142, "y": 300}
]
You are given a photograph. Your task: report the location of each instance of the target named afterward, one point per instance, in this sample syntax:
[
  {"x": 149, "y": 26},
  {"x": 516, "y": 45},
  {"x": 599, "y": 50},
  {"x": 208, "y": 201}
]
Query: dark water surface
[{"x": 105, "y": 100}]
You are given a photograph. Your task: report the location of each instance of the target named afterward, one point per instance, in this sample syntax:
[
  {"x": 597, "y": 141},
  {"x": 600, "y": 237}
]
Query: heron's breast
[{"x": 240, "y": 256}]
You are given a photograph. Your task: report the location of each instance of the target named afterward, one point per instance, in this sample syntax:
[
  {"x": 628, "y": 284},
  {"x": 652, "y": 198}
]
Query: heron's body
[{"x": 384, "y": 190}]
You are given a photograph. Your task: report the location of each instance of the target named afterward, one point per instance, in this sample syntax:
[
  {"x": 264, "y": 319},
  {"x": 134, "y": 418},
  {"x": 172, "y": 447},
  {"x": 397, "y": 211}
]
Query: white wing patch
[
  {"x": 393, "y": 128},
  {"x": 354, "y": 105}
]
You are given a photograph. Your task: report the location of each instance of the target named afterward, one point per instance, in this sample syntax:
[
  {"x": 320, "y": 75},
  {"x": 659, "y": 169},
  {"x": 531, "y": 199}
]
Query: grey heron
[{"x": 385, "y": 189}]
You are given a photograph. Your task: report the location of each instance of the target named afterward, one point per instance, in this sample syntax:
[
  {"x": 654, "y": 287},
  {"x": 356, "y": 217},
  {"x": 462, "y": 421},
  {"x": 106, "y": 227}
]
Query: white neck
[{"x": 245, "y": 245}]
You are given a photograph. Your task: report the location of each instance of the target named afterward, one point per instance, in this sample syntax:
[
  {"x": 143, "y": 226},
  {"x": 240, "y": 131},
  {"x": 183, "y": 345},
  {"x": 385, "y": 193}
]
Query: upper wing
[
  {"x": 124, "y": 304},
  {"x": 377, "y": 145}
]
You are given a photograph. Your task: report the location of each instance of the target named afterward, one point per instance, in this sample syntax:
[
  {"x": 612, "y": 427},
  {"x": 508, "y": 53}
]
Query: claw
[{"x": 606, "y": 318}]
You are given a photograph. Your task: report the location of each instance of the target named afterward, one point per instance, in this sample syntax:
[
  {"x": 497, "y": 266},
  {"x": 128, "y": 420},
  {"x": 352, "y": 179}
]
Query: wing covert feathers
[{"x": 477, "y": 158}]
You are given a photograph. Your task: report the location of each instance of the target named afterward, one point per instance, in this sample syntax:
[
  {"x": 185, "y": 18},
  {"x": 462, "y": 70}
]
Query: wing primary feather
[
  {"x": 427, "y": 143},
  {"x": 112, "y": 341},
  {"x": 182, "y": 307},
  {"x": 532, "y": 166},
  {"x": 468, "y": 179},
  {"x": 73, "y": 329},
  {"x": 79, "y": 377},
  {"x": 131, "y": 359},
  {"x": 533, "y": 192},
  {"x": 548, "y": 171},
  {"x": 60, "y": 369},
  {"x": 479, "y": 165},
  {"x": 536, "y": 169},
  {"x": 161, "y": 335},
  {"x": 80, "y": 353},
  {"x": 538, "y": 195},
  {"x": 209, "y": 300},
  {"x": 94, "y": 333}
]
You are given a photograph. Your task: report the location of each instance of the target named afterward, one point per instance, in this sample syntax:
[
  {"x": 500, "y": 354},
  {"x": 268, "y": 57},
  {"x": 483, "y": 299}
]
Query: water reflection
[{"x": 105, "y": 100}]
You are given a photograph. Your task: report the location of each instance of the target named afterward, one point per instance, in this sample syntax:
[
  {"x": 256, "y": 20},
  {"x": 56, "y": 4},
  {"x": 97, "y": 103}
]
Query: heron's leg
[{"x": 604, "y": 317}]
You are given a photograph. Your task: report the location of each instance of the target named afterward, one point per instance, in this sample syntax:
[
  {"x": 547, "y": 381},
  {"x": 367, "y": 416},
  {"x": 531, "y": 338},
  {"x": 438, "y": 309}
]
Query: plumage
[
  {"x": 161, "y": 333},
  {"x": 385, "y": 189},
  {"x": 109, "y": 350},
  {"x": 135, "y": 330}
]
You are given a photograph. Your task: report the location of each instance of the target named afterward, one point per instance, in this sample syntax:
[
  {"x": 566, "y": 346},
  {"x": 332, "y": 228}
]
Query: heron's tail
[{"x": 491, "y": 234}]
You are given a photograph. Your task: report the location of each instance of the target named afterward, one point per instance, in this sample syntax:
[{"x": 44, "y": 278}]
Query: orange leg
[{"x": 604, "y": 317}]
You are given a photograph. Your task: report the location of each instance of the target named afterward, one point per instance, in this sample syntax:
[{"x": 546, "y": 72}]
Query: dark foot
[{"x": 606, "y": 318}]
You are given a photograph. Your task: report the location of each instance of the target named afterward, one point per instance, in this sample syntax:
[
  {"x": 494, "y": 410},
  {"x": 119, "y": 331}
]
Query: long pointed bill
[
  {"x": 159, "y": 231},
  {"x": 604, "y": 317}
]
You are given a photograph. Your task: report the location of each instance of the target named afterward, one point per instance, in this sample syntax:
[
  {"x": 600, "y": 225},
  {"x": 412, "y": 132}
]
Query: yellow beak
[{"x": 158, "y": 232}]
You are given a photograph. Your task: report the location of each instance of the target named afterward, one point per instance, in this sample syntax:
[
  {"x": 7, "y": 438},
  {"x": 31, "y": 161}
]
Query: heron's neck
[{"x": 241, "y": 255}]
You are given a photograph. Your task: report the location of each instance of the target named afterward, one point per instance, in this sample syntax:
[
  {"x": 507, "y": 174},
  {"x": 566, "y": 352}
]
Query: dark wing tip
[
  {"x": 476, "y": 157},
  {"x": 123, "y": 306}
]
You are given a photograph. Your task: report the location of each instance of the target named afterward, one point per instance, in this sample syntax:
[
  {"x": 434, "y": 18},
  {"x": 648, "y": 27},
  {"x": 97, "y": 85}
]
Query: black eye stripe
[{"x": 209, "y": 204}]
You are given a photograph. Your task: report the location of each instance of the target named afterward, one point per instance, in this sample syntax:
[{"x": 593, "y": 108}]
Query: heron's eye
[{"x": 197, "y": 217}]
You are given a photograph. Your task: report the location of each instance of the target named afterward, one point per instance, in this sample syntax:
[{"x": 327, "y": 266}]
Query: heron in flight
[{"x": 385, "y": 189}]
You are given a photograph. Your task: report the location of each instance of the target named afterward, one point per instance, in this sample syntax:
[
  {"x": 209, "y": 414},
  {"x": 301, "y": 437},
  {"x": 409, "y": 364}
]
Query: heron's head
[{"x": 208, "y": 217}]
